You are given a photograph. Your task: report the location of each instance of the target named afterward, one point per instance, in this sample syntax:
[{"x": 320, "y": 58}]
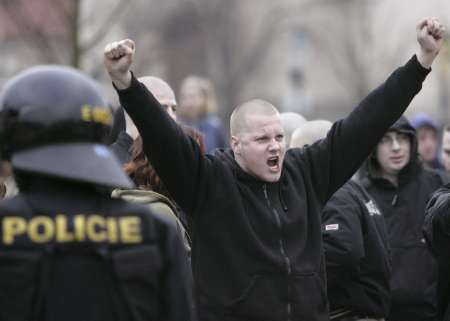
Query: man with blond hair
[
  {"x": 254, "y": 210},
  {"x": 291, "y": 121},
  {"x": 310, "y": 132}
]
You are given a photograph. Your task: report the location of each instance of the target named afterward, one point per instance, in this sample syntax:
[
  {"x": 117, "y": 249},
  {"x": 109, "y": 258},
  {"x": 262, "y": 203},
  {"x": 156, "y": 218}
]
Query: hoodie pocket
[
  {"x": 414, "y": 274},
  {"x": 260, "y": 300},
  {"x": 309, "y": 297}
]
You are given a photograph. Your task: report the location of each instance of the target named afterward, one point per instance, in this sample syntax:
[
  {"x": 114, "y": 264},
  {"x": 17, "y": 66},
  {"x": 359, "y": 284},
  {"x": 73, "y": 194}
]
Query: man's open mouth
[{"x": 273, "y": 161}]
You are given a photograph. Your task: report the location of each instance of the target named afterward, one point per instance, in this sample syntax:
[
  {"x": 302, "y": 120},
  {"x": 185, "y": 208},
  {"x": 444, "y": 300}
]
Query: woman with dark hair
[
  {"x": 151, "y": 189},
  {"x": 142, "y": 172}
]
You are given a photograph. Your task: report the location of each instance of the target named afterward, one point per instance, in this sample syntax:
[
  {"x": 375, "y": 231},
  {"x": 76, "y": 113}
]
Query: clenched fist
[
  {"x": 430, "y": 35},
  {"x": 118, "y": 57}
]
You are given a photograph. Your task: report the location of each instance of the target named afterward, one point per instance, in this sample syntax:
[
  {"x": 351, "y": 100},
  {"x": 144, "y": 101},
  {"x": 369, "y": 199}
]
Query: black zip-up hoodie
[
  {"x": 413, "y": 281},
  {"x": 437, "y": 233},
  {"x": 357, "y": 253},
  {"x": 257, "y": 247}
]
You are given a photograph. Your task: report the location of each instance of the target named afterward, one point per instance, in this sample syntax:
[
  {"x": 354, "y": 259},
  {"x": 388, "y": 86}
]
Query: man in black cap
[{"x": 67, "y": 251}]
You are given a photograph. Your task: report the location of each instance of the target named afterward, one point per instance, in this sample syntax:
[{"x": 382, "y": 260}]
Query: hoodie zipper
[
  {"x": 287, "y": 261},
  {"x": 394, "y": 200}
]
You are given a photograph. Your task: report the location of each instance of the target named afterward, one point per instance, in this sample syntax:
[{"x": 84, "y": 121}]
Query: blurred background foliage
[{"x": 316, "y": 57}]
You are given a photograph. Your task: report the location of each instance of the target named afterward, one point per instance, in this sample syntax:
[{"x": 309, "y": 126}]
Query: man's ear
[{"x": 235, "y": 145}]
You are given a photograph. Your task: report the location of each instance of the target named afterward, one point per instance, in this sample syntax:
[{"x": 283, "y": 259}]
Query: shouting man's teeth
[{"x": 273, "y": 161}]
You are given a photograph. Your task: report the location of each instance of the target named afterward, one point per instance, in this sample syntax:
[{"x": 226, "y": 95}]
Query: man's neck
[{"x": 393, "y": 178}]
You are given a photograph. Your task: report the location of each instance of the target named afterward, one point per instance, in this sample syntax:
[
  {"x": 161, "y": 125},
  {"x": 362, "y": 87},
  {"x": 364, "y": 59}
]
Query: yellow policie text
[{"x": 78, "y": 228}]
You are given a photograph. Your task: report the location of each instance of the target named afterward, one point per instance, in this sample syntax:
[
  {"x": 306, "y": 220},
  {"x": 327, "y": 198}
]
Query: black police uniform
[{"x": 67, "y": 251}]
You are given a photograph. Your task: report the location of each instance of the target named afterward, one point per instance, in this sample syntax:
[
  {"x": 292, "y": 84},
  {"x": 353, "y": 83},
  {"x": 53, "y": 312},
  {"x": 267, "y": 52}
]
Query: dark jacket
[
  {"x": 437, "y": 233},
  {"x": 69, "y": 252},
  {"x": 257, "y": 247},
  {"x": 121, "y": 147},
  {"x": 413, "y": 282},
  {"x": 357, "y": 253}
]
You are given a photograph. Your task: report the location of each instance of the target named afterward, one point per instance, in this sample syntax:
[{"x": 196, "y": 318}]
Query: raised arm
[
  {"x": 334, "y": 160},
  {"x": 176, "y": 158}
]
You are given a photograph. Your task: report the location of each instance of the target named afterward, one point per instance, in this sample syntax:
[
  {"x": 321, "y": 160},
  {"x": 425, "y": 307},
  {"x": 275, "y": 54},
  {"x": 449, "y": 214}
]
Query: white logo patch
[
  {"x": 101, "y": 151},
  {"x": 372, "y": 208},
  {"x": 332, "y": 227}
]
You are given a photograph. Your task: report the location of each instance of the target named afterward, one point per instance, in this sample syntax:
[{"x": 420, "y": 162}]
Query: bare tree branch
[
  {"x": 25, "y": 29},
  {"x": 63, "y": 7}
]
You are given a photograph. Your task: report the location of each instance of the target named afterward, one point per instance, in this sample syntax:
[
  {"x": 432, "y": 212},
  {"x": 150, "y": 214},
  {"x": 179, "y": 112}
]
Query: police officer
[{"x": 67, "y": 251}]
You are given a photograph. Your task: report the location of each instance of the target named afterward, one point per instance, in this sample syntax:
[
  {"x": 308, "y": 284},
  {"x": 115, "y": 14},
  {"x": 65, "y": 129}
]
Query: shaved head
[
  {"x": 238, "y": 120},
  {"x": 310, "y": 132},
  {"x": 257, "y": 140},
  {"x": 158, "y": 87},
  {"x": 162, "y": 92}
]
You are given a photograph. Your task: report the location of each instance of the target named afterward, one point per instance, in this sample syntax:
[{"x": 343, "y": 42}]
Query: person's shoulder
[
  {"x": 350, "y": 191},
  {"x": 356, "y": 189},
  {"x": 346, "y": 202},
  {"x": 222, "y": 155},
  {"x": 439, "y": 200},
  {"x": 138, "y": 202},
  {"x": 11, "y": 206},
  {"x": 440, "y": 175},
  {"x": 364, "y": 178},
  {"x": 351, "y": 187}
]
